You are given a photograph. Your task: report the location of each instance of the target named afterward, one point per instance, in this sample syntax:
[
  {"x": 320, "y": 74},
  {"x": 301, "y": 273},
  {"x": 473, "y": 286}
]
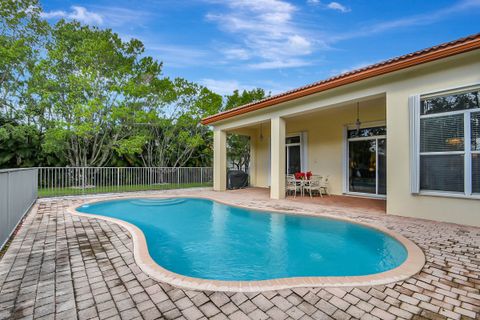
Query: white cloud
[
  {"x": 119, "y": 16},
  {"x": 224, "y": 87},
  {"x": 332, "y": 5},
  {"x": 279, "y": 64},
  {"x": 101, "y": 15},
  {"x": 54, "y": 14},
  {"x": 236, "y": 53},
  {"x": 264, "y": 32},
  {"x": 411, "y": 21},
  {"x": 338, "y": 6},
  {"x": 77, "y": 13},
  {"x": 177, "y": 56}
]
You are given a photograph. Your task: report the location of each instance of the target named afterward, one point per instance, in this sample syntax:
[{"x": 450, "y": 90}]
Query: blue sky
[{"x": 273, "y": 44}]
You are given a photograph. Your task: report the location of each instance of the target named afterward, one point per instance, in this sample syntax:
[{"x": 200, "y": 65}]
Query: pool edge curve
[{"x": 412, "y": 265}]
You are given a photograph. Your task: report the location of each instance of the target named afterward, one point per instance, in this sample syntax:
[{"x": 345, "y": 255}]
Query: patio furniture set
[{"x": 306, "y": 183}]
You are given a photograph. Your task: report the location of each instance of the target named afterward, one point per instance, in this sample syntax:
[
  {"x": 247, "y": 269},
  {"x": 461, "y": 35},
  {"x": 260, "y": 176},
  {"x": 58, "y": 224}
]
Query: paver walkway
[{"x": 61, "y": 266}]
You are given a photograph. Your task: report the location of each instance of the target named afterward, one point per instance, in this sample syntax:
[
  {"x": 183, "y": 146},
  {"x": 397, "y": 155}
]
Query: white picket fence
[{"x": 59, "y": 181}]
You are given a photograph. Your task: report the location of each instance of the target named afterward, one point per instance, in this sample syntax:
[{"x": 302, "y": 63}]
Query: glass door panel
[
  {"x": 362, "y": 165},
  {"x": 382, "y": 166},
  {"x": 293, "y": 159}
]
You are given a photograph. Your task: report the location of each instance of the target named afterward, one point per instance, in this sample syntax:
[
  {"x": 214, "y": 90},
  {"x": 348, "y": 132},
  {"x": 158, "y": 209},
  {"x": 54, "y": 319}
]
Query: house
[{"x": 406, "y": 129}]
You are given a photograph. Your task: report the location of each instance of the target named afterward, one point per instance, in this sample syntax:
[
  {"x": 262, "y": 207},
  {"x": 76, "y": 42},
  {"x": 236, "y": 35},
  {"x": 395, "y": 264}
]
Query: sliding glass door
[{"x": 367, "y": 161}]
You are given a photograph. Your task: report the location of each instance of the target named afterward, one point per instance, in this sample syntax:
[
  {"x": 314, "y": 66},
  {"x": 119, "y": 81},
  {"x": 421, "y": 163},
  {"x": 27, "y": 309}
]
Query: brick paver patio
[{"x": 61, "y": 266}]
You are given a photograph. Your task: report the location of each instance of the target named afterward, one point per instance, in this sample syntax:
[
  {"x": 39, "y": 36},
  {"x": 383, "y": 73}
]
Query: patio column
[
  {"x": 253, "y": 160},
  {"x": 277, "y": 188},
  {"x": 219, "y": 160}
]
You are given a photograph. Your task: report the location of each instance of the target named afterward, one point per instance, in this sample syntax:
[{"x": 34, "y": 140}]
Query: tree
[
  {"x": 88, "y": 91},
  {"x": 19, "y": 144},
  {"x": 238, "y": 146},
  {"x": 76, "y": 95},
  {"x": 237, "y": 99},
  {"x": 22, "y": 36},
  {"x": 22, "y": 33},
  {"x": 173, "y": 135}
]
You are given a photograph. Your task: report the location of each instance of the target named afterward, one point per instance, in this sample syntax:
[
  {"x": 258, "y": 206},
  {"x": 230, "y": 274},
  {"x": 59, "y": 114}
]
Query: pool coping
[{"x": 412, "y": 265}]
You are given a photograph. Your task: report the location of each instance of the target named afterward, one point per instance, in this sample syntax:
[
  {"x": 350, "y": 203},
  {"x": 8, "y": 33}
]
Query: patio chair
[
  {"x": 324, "y": 185},
  {"x": 292, "y": 185},
  {"x": 314, "y": 184}
]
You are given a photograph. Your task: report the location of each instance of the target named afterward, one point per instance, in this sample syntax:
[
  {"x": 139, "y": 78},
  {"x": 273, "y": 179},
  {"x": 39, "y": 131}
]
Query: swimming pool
[{"x": 204, "y": 239}]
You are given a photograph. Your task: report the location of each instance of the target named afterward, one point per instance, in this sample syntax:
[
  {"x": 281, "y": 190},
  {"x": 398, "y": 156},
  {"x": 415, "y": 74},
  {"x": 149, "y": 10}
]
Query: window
[
  {"x": 296, "y": 153},
  {"x": 446, "y": 142},
  {"x": 292, "y": 140},
  {"x": 367, "y": 132}
]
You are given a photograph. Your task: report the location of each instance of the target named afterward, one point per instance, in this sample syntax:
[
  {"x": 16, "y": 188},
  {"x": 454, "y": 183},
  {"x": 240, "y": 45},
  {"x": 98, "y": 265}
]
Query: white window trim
[
  {"x": 366, "y": 124},
  {"x": 449, "y": 194},
  {"x": 414, "y": 110},
  {"x": 345, "y": 167},
  {"x": 468, "y": 154},
  {"x": 450, "y": 90}
]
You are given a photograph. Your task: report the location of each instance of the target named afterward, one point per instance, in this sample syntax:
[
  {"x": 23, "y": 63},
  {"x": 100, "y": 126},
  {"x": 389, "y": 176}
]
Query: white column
[
  {"x": 219, "y": 160},
  {"x": 253, "y": 160},
  {"x": 277, "y": 189}
]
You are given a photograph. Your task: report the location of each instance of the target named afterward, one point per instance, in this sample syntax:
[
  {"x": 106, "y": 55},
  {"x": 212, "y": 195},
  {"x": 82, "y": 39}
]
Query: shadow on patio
[{"x": 366, "y": 205}]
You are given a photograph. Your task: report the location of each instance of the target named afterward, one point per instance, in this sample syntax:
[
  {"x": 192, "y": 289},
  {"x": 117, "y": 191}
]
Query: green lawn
[{"x": 102, "y": 189}]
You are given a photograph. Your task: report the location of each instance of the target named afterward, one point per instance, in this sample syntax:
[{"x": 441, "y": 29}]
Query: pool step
[{"x": 157, "y": 202}]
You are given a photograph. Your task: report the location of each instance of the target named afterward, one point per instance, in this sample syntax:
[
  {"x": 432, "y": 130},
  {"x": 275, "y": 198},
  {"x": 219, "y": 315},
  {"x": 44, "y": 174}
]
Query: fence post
[
  {"x": 36, "y": 183},
  {"x": 118, "y": 178},
  {"x": 9, "y": 196},
  {"x": 83, "y": 180},
  {"x": 178, "y": 175},
  {"x": 201, "y": 176}
]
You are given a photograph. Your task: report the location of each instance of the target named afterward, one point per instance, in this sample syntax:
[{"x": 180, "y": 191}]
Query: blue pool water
[{"x": 205, "y": 239}]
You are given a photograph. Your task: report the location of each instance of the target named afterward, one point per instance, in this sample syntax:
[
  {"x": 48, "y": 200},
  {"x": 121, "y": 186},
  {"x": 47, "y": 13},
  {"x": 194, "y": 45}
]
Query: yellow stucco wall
[
  {"x": 262, "y": 156},
  {"x": 325, "y": 113},
  {"x": 400, "y": 201}
]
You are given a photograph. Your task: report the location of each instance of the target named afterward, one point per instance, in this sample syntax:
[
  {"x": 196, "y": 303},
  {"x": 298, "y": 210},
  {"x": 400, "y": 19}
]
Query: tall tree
[
  {"x": 22, "y": 36},
  {"x": 174, "y": 136},
  {"x": 88, "y": 90}
]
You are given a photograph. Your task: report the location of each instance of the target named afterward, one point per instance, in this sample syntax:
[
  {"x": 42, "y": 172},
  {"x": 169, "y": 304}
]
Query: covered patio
[{"x": 344, "y": 142}]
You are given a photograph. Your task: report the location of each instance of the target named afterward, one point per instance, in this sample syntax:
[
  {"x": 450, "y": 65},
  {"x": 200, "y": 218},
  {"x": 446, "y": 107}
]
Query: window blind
[{"x": 442, "y": 134}]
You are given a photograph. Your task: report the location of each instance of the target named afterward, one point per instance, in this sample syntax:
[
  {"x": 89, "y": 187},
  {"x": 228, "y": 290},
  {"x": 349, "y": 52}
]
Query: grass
[{"x": 107, "y": 189}]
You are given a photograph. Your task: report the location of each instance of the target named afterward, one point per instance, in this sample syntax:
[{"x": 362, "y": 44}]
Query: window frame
[
  {"x": 415, "y": 136},
  {"x": 346, "y": 152}
]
